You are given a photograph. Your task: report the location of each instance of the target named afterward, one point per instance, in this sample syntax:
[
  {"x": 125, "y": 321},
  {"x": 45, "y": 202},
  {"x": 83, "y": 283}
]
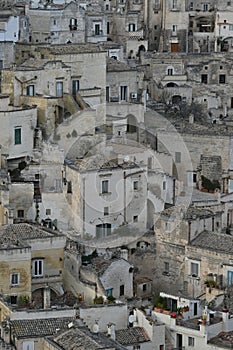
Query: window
[
  {"x": 205, "y": 7},
  {"x": 69, "y": 187},
  {"x": 135, "y": 218},
  {"x": 174, "y": 29},
  {"x": 106, "y": 211},
  {"x": 38, "y": 267},
  {"x": 103, "y": 230},
  {"x": 157, "y": 5},
  {"x": 166, "y": 266},
  {"x": 228, "y": 3},
  {"x": 54, "y": 22},
  {"x": 191, "y": 6},
  {"x": 222, "y": 79},
  {"x": 15, "y": 277},
  {"x": 123, "y": 93},
  {"x": 59, "y": 89},
  {"x": 97, "y": 29},
  {"x": 109, "y": 291},
  {"x": 132, "y": 27},
  {"x": 73, "y": 24},
  {"x": 204, "y": 79},
  {"x": 178, "y": 157},
  {"x": 107, "y": 7},
  {"x": 144, "y": 287},
  {"x": 13, "y": 299},
  {"x": 122, "y": 290},
  {"x": 136, "y": 347},
  {"x": 18, "y": 140},
  {"x": 105, "y": 184},
  {"x": 194, "y": 269},
  {"x": 20, "y": 213},
  {"x": 48, "y": 212},
  {"x": 108, "y": 27},
  {"x": 149, "y": 163},
  {"x": 170, "y": 71},
  {"x": 75, "y": 86},
  {"x": 135, "y": 185},
  {"x": 164, "y": 185},
  {"x": 194, "y": 178},
  {"x": 107, "y": 94},
  {"x": 229, "y": 278},
  {"x": 30, "y": 90},
  {"x": 28, "y": 345},
  {"x": 190, "y": 341},
  {"x": 174, "y": 4},
  {"x": 167, "y": 227}
]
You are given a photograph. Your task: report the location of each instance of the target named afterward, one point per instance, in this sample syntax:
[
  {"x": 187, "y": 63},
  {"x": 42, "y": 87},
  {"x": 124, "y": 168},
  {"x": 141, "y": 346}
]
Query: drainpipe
[
  {"x": 84, "y": 211},
  {"x": 124, "y": 199},
  {"x": 189, "y": 232},
  {"x": 174, "y": 191}
]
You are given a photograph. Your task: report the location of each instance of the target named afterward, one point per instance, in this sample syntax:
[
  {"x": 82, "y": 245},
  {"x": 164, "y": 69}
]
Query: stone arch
[
  {"x": 176, "y": 99},
  {"x": 38, "y": 294},
  {"x": 141, "y": 49},
  {"x": 171, "y": 84},
  {"x": 132, "y": 124}
]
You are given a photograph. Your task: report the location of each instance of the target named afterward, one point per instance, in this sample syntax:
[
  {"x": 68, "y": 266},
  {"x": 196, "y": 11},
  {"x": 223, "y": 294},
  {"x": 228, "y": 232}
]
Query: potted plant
[
  {"x": 186, "y": 308},
  {"x": 98, "y": 300},
  {"x": 179, "y": 315}
]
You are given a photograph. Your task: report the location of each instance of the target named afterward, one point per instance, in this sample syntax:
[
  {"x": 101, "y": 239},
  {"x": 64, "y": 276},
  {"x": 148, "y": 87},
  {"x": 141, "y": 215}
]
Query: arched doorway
[
  {"x": 141, "y": 49},
  {"x": 176, "y": 99},
  {"x": 131, "y": 124}
]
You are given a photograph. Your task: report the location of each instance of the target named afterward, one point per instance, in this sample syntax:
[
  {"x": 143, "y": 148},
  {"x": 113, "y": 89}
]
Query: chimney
[{"x": 191, "y": 119}]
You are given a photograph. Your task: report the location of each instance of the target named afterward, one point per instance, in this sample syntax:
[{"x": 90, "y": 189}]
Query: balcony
[
  {"x": 46, "y": 279},
  {"x": 73, "y": 27}
]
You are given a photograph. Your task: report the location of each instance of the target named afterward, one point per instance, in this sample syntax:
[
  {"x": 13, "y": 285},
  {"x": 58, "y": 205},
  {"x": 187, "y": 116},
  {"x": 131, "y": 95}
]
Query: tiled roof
[
  {"x": 99, "y": 162},
  {"x": 75, "y": 48},
  {"x": 182, "y": 212},
  {"x": 117, "y": 66},
  {"x": 132, "y": 335},
  {"x": 221, "y": 243},
  {"x": 38, "y": 63},
  {"x": 223, "y": 340},
  {"x": 100, "y": 265},
  {"x": 83, "y": 339},
  {"x": 39, "y": 327},
  {"x": 14, "y": 235}
]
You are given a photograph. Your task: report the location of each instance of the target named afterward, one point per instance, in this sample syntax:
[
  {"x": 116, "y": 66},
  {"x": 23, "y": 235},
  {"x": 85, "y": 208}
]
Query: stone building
[
  {"x": 123, "y": 84},
  {"x": 175, "y": 229},
  {"x": 30, "y": 334},
  {"x": 65, "y": 23},
  {"x": 17, "y": 131},
  {"x": 58, "y": 87},
  {"x": 36, "y": 257},
  {"x": 118, "y": 196}
]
